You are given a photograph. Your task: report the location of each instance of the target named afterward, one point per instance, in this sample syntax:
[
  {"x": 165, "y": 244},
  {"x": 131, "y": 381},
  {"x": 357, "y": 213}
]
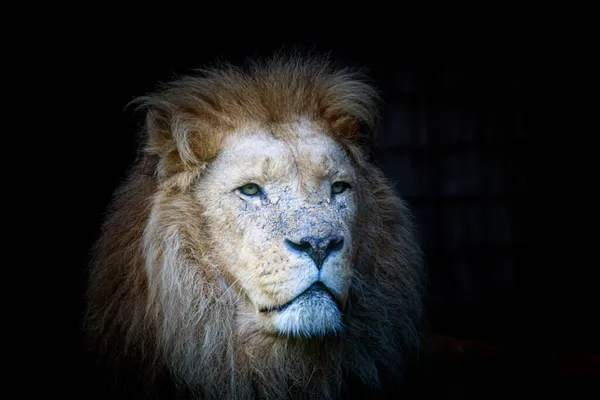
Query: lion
[{"x": 254, "y": 250}]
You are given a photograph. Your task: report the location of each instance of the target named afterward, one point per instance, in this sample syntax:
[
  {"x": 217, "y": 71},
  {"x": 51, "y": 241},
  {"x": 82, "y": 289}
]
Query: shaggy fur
[{"x": 159, "y": 310}]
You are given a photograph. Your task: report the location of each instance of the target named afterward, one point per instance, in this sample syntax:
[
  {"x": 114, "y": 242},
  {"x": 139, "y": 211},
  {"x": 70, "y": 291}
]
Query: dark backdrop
[{"x": 480, "y": 133}]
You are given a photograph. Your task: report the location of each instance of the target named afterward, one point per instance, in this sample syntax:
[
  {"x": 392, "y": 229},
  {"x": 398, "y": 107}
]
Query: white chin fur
[{"x": 308, "y": 316}]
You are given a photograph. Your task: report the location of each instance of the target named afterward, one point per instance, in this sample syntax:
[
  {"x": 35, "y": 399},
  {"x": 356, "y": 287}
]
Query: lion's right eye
[{"x": 249, "y": 189}]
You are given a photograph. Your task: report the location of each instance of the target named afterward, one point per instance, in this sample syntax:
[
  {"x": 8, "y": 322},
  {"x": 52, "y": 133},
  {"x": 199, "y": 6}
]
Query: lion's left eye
[
  {"x": 249, "y": 189},
  {"x": 339, "y": 187}
]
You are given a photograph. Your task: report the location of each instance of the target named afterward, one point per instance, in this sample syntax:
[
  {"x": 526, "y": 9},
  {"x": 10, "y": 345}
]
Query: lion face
[{"x": 281, "y": 210}]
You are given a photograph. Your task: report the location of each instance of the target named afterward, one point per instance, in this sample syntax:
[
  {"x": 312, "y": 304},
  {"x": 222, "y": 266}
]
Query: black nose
[{"x": 317, "y": 248}]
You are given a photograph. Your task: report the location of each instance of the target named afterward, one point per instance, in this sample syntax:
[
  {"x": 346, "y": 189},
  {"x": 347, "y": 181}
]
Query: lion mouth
[{"x": 316, "y": 289}]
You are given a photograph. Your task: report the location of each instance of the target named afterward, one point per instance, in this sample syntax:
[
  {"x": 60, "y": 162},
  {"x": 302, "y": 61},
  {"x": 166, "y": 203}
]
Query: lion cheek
[{"x": 338, "y": 278}]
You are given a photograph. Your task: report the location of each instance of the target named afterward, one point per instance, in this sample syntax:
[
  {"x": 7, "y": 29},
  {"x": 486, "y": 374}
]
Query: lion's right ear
[{"x": 167, "y": 139}]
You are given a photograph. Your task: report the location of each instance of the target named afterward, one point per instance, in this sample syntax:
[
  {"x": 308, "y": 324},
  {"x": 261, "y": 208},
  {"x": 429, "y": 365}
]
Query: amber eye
[
  {"x": 339, "y": 187},
  {"x": 249, "y": 189}
]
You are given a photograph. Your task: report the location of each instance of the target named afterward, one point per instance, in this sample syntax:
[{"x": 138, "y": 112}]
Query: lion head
[{"x": 254, "y": 251}]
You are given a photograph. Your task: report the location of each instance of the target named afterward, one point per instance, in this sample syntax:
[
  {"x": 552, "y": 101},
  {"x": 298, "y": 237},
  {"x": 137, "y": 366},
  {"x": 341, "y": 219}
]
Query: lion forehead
[
  {"x": 252, "y": 156},
  {"x": 297, "y": 151}
]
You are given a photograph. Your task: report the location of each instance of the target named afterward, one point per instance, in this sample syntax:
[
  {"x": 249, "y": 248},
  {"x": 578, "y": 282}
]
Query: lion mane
[{"x": 159, "y": 316}]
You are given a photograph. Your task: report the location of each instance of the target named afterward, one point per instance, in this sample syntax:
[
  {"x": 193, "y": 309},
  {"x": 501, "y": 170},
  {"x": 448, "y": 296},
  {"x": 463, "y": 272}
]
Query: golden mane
[{"x": 159, "y": 313}]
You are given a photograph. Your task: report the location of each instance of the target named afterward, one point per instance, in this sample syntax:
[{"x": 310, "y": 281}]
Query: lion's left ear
[
  {"x": 350, "y": 106},
  {"x": 367, "y": 139}
]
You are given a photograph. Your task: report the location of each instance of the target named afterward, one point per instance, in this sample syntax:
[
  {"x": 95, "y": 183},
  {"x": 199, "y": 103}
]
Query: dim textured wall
[{"x": 455, "y": 143}]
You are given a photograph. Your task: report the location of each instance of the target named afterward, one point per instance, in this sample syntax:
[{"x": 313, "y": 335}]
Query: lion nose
[{"x": 317, "y": 248}]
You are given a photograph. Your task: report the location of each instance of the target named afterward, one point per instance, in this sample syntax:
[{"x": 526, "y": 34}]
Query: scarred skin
[{"x": 254, "y": 252}]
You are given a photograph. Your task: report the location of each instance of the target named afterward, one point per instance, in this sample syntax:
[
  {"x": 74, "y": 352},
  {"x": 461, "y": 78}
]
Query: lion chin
[
  {"x": 254, "y": 252},
  {"x": 313, "y": 313}
]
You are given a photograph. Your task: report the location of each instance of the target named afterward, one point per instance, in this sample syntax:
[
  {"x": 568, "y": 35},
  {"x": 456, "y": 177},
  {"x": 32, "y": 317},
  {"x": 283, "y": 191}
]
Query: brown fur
[{"x": 182, "y": 329}]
